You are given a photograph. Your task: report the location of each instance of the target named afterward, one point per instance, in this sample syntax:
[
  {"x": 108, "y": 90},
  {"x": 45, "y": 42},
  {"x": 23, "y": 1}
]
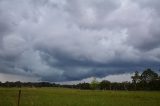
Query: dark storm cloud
[{"x": 62, "y": 40}]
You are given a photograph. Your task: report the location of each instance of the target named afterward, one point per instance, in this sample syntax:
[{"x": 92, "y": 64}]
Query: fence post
[{"x": 19, "y": 96}]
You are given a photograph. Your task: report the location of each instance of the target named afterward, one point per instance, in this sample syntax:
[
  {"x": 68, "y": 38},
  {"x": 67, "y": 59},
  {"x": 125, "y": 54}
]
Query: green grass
[{"x": 70, "y": 97}]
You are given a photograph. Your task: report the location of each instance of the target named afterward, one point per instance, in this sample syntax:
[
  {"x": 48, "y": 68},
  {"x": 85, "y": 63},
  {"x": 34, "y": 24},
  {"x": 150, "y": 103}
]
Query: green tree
[
  {"x": 104, "y": 85},
  {"x": 136, "y": 79},
  {"x": 83, "y": 85},
  {"x": 94, "y": 84},
  {"x": 148, "y": 75}
]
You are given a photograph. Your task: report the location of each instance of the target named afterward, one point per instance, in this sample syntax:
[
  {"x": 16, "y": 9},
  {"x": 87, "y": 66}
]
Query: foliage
[
  {"x": 148, "y": 80},
  {"x": 94, "y": 84},
  {"x": 104, "y": 85},
  {"x": 148, "y": 75},
  {"x": 136, "y": 78},
  {"x": 83, "y": 86}
]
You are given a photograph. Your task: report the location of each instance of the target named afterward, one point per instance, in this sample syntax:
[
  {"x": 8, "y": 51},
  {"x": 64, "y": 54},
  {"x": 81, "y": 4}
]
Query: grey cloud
[
  {"x": 64, "y": 40},
  {"x": 146, "y": 35},
  {"x": 151, "y": 4},
  {"x": 92, "y": 13}
]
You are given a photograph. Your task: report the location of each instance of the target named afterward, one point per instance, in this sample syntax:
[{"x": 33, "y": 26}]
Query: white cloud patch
[{"x": 11, "y": 77}]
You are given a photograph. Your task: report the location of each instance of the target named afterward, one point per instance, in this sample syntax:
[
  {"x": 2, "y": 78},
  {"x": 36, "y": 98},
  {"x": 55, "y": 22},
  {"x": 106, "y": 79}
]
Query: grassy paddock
[{"x": 70, "y": 97}]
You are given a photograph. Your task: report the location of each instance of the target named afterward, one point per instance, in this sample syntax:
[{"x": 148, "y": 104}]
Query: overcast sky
[{"x": 69, "y": 40}]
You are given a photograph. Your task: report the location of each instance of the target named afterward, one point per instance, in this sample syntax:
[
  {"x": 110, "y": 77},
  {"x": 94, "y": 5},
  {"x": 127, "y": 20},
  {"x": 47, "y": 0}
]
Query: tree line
[{"x": 147, "y": 80}]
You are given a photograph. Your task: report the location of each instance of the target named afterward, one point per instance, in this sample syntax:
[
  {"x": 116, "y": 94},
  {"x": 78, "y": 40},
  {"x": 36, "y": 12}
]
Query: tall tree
[
  {"x": 94, "y": 84},
  {"x": 104, "y": 85},
  {"x": 136, "y": 77},
  {"x": 148, "y": 75}
]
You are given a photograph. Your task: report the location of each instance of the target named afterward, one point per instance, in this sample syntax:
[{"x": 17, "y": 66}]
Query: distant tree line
[
  {"x": 28, "y": 84},
  {"x": 147, "y": 80}
]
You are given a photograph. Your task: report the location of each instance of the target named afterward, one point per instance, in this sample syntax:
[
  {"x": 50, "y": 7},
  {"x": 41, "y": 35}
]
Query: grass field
[{"x": 70, "y": 97}]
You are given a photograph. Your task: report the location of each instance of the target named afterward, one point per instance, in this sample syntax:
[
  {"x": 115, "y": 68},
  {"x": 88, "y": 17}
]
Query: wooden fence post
[{"x": 19, "y": 96}]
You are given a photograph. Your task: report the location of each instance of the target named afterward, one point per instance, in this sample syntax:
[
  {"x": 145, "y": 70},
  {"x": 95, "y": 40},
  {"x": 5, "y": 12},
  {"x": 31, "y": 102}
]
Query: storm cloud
[{"x": 67, "y": 40}]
